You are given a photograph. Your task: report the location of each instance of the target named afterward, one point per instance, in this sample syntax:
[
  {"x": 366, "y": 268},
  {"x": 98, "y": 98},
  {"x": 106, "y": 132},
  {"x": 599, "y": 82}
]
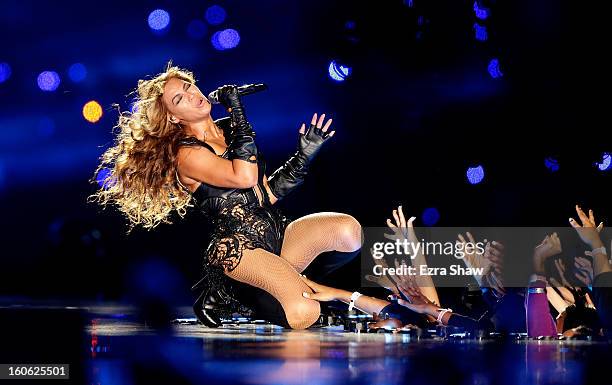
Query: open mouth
[{"x": 201, "y": 102}]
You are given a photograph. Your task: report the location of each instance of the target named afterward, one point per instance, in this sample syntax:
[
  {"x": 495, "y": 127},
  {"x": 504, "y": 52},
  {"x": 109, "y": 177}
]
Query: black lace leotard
[{"x": 242, "y": 219}]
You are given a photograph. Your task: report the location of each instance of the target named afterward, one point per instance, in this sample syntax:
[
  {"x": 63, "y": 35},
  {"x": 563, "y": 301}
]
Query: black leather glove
[
  {"x": 229, "y": 97},
  {"x": 292, "y": 173},
  {"x": 242, "y": 137}
]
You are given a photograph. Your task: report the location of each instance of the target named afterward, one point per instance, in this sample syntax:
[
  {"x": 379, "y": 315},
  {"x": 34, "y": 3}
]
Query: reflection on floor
[
  {"x": 125, "y": 352},
  {"x": 109, "y": 346}
]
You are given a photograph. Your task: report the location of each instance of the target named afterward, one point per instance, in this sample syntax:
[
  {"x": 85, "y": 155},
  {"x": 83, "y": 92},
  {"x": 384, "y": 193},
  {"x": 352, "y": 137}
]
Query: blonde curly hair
[{"x": 137, "y": 174}]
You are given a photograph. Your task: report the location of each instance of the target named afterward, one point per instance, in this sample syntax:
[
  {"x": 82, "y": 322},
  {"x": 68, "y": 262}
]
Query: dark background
[{"x": 419, "y": 108}]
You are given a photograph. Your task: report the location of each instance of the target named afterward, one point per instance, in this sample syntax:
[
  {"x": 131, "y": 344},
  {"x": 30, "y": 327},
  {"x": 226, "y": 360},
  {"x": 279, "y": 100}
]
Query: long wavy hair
[{"x": 137, "y": 174}]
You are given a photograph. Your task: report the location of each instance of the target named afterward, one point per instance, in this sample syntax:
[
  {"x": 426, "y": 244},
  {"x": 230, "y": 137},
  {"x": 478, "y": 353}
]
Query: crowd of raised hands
[{"x": 565, "y": 299}]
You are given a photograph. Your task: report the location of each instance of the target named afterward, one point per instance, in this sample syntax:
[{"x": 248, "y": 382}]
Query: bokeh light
[
  {"x": 430, "y": 216},
  {"x": 215, "y": 15},
  {"x": 92, "y": 111},
  {"x": 226, "y": 39},
  {"x": 551, "y": 164},
  {"x": 159, "y": 19},
  {"x": 196, "y": 29},
  {"x": 481, "y": 12},
  {"x": 77, "y": 72},
  {"x": 494, "y": 70},
  {"x": 214, "y": 39},
  {"x": 102, "y": 176},
  {"x": 350, "y": 24},
  {"x": 229, "y": 38},
  {"x": 475, "y": 175},
  {"x": 48, "y": 81},
  {"x": 606, "y": 161},
  {"x": 338, "y": 72},
  {"x": 5, "y": 72},
  {"x": 480, "y": 32}
]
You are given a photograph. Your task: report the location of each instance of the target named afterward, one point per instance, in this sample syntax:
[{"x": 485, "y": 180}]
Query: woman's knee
[
  {"x": 349, "y": 232},
  {"x": 303, "y": 313}
]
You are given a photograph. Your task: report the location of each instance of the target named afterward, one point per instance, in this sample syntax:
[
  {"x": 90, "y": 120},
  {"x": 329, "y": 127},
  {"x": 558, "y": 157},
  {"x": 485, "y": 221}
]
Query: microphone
[{"x": 246, "y": 89}]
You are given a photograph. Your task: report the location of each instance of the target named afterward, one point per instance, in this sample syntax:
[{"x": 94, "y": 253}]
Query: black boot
[{"x": 205, "y": 308}]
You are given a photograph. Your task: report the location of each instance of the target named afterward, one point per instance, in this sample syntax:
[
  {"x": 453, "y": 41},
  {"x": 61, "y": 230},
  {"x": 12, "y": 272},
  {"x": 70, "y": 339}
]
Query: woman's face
[{"x": 185, "y": 102}]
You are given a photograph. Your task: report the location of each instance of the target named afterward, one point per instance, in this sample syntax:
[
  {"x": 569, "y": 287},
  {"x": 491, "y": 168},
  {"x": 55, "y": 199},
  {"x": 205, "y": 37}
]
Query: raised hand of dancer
[
  {"x": 588, "y": 231},
  {"x": 313, "y": 137},
  {"x": 560, "y": 266},
  {"x": 491, "y": 260},
  {"x": 551, "y": 245},
  {"x": 564, "y": 287},
  {"x": 472, "y": 257},
  {"x": 404, "y": 229},
  {"x": 590, "y": 235},
  {"x": 584, "y": 270},
  {"x": 495, "y": 252}
]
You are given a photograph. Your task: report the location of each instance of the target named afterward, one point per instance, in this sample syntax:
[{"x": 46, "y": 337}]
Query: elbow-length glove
[
  {"x": 292, "y": 173},
  {"x": 242, "y": 144}
]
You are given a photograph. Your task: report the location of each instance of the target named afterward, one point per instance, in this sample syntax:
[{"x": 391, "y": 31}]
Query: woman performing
[{"x": 169, "y": 153}]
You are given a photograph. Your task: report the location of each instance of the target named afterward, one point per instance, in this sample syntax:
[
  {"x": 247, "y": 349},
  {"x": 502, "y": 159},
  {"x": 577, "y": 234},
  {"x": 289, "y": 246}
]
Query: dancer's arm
[
  {"x": 291, "y": 174},
  {"x": 240, "y": 171},
  {"x": 602, "y": 271},
  {"x": 539, "y": 319},
  {"x": 405, "y": 229},
  {"x": 324, "y": 293}
]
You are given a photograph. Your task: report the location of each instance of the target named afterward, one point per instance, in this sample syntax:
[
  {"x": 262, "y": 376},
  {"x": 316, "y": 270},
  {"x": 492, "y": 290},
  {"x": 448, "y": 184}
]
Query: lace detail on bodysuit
[{"x": 243, "y": 226}]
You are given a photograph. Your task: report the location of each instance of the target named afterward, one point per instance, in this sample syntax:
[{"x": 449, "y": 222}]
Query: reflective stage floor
[{"x": 116, "y": 349}]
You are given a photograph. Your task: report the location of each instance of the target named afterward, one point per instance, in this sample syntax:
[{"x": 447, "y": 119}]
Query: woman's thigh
[
  {"x": 276, "y": 276},
  {"x": 313, "y": 234}
]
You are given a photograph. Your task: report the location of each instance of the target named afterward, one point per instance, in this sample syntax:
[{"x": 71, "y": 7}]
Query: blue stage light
[
  {"x": 101, "y": 178},
  {"x": 475, "y": 175},
  {"x": 215, "y": 15},
  {"x": 159, "y": 19},
  {"x": 480, "y": 32},
  {"x": 77, "y": 72},
  {"x": 5, "y": 72},
  {"x": 229, "y": 38},
  {"x": 226, "y": 39},
  {"x": 409, "y": 3},
  {"x": 48, "y": 80},
  {"x": 481, "y": 12},
  {"x": 606, "y": 161},
  {"x": 552, "y": 164},
  {"x": 338, "y": 72},
  {"x": 196, "y": 29},
  {"x": 214, "y": 39},
  {"x": 430, "y": 216},
  {"x": 494, "y": 70},
  {"x": 350, "y": 24}
]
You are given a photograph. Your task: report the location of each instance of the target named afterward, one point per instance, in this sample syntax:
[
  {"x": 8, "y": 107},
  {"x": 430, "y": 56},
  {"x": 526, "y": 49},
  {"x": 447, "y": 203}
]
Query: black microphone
[{"x": 246, "y": 89}]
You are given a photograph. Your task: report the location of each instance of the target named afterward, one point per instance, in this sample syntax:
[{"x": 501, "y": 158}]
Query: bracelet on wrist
[
  {"x": 441, "y": 314},
  {"x": 354, "y": 297}
]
